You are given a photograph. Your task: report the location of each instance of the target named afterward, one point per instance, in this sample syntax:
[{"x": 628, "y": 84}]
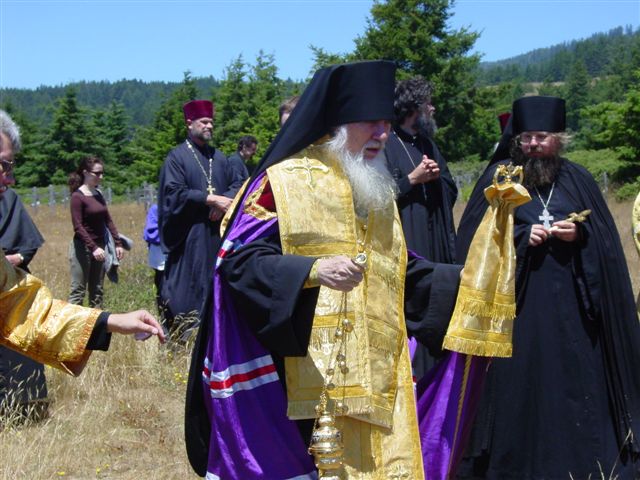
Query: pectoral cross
[
  {"x": 307, "y": 167},
  {"x": 211, "y": 189},
  {"x": 546, "y": 218}
]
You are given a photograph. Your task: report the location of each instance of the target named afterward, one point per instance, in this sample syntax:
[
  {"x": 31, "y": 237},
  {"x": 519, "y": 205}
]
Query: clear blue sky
[{"x": 53, "y": 42}]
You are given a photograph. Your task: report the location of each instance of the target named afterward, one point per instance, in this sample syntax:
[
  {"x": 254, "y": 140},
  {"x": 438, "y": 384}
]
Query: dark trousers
[{"x": 87, "y": 273}]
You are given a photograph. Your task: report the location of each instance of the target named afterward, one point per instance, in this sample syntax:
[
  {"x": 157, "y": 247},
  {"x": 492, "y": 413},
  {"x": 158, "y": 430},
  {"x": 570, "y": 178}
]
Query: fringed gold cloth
[
  {"x": 33, "y": 323},
  {"x": 482, "y": 322}
]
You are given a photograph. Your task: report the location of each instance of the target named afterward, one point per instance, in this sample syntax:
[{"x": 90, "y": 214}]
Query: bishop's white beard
[{"x": 372, "y": 185}]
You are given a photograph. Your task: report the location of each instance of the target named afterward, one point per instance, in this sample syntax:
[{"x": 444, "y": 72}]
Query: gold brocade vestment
[
  {"x": 316, "y": 218},
  {"x": 50, "y": 331}
]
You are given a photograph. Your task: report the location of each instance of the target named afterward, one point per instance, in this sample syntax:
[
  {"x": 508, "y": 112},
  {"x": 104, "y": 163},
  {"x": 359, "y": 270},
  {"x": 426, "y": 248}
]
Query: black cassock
[
  {"x": 426, "y": 210},
  {"x": 18, "y": 234},
  {"x": 189, "y": 238},
  {"x": 568, "y": 396},
  {"x": 266, "y": 287}
]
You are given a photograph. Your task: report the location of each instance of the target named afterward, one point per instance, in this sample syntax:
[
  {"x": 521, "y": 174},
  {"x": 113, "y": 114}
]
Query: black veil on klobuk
[{"x": 336, "y": 95}]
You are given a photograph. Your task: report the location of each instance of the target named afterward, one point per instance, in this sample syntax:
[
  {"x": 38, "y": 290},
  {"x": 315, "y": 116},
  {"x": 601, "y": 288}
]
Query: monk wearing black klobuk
[{"x": 568, "y": 402}]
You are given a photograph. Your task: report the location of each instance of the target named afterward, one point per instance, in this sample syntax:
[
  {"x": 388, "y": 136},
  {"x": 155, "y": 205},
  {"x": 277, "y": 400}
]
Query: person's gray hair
[
  {"x": 564, "y": 139},
  {"x": 11, "y": 130}
]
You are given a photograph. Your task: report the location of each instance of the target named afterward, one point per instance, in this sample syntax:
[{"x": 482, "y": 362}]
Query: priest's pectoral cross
[
  {"x": 308, "y": 168},
  {"x": 546, "y": 218},
  {"x": 211, "y": 190}
]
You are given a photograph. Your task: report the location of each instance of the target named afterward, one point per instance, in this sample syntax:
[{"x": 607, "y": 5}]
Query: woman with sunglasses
[{"x": 91, "y": 223}]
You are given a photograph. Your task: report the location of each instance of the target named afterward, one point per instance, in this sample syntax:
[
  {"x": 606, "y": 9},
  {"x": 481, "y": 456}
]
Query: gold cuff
[{"x": 312, "y": 280}]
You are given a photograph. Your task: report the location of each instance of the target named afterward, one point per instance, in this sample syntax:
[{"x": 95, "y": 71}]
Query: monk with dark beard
[{"x": 567, "y": 404}]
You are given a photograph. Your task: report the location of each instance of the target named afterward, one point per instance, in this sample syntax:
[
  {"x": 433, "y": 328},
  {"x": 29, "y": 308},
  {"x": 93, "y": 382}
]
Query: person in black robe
[
  {"x": 22, "y": 380},
  {"x": 567, "y": 404},
  {"x": 270, "y": 290},
  {"x": 31, "y": 321},
  {"x": 197, "y": 185},
  {"x": 426, "y": 189},
  {"x": 240, "y": 159}
]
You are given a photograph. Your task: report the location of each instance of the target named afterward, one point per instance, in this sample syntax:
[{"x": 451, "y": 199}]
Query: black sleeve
[
  {"x": 179, "y": 205},
  {"x": 27, "y": 255},
  {"x": 100, "y": 338},
  {"x": 450, "y": 189},
  {"x": 236, "y": 175},
  {"x": 267, "y": 289},
  {"x": 431, "y": 290}
]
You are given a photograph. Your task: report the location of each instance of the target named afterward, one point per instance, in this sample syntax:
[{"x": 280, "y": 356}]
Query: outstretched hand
[
  {"x": 339, "y": 273},
  {"x": 139, "y": 323}
]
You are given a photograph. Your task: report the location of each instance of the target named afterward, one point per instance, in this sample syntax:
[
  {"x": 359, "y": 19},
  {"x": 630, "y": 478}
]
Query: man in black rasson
[
  {"x": 567, "y": 404},
  {"x": 196, "y": 189}
]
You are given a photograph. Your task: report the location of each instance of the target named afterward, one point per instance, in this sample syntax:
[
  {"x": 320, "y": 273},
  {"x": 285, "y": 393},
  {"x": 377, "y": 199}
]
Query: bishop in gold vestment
[{"x": 293, "y": 306}]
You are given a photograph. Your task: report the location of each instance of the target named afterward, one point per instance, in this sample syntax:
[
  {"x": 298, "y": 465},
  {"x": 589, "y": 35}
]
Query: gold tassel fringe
[{"x": 482, "y": 348}]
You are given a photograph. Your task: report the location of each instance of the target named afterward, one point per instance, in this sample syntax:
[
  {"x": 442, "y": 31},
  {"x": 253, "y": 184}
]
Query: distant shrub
[
  {"x": 599, "y": 162},
  {"x": 628, "y": 190}
]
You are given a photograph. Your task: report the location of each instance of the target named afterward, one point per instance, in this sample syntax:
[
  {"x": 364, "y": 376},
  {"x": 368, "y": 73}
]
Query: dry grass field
[{"x": 122, "y": 418}]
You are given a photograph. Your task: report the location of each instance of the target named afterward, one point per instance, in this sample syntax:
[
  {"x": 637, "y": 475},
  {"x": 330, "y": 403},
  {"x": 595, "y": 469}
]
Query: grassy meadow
[{"x": 123, "y": 417}]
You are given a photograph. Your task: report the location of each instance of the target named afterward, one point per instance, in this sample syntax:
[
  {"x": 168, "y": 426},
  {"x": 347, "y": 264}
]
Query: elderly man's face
[
  {"x": 201, "y": 129},
  {"x": 367, "y": 137},
  {"x": 538, "y": 144},
  {"x": 6, "y": 163}
]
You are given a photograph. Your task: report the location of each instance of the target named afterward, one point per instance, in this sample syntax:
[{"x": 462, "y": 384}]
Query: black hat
[
  {"x": 502, "y": 150},
  {"x": 339, "y": 94},
  {"x": 538, "y": 114}
]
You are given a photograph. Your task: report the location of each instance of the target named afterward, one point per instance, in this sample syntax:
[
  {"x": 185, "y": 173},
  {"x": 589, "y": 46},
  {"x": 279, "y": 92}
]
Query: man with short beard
[
  {"x": 426, "y": 190},
  {"x": 567, "y": 404},
  {"x": 197, "y": 185},
  {"x": 314, "y": 254}
]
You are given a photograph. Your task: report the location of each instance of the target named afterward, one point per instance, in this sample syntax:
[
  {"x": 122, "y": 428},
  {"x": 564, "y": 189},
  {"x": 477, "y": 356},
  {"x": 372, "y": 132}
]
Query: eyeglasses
[
  {"x": 7, "y": 166},
  {"x": 538, "y": 137},
  {"x": 98, "y": 173}
]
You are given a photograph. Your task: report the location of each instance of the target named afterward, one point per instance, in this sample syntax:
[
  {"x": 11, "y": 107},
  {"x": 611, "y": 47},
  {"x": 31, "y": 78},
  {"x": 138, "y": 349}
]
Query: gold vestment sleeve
[{"x": 50, "y": 331}]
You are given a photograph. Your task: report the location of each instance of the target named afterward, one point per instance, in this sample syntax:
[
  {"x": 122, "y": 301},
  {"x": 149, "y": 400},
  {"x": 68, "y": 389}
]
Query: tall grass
[{"x": 123, "y": 417}]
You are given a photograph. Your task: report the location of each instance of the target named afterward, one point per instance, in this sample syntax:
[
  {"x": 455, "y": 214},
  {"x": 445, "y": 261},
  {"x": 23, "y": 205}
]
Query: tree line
[{"x": 133, "y": 129}]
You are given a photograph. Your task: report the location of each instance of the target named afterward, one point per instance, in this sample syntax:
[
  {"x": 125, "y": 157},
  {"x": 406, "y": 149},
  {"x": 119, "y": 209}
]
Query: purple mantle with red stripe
[{"x": 251, "y": 436}]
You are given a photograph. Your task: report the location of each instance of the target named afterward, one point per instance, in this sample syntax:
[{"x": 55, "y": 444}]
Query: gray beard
[{"x": 372, "y": 186}]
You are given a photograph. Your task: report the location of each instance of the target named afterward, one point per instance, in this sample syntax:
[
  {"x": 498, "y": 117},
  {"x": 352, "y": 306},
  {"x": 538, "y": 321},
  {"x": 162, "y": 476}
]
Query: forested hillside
[
  {"x": 140, "y": 100},
  {"x": 133, "y": 124},
  {"x": 603, "y": 54}
]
